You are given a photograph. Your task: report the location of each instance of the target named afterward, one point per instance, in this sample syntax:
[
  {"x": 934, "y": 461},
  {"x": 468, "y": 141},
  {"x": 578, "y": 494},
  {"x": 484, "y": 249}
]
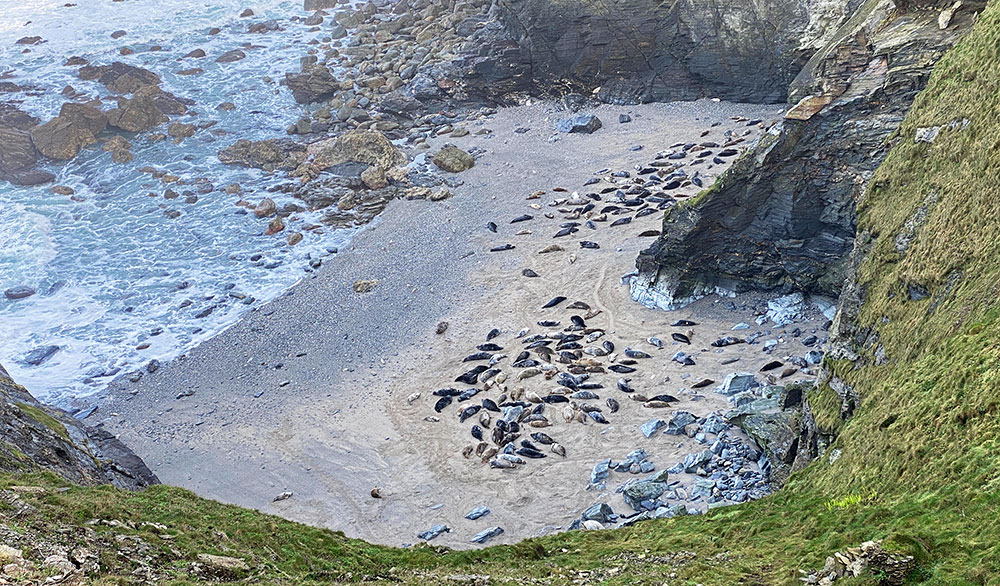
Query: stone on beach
[
  {"x": 581, "y": 123},
  {"x": 649, "y": 428},
  {"x": 454, "y": 160}
]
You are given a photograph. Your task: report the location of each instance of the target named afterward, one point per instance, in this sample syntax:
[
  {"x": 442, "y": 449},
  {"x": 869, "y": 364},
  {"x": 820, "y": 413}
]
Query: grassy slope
[{"x": 924, "y": 446}]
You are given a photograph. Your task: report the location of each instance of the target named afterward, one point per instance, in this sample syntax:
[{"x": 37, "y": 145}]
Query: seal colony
[
  {"x": 572, "y": 368},
  {"x": 575, "y": 406}
]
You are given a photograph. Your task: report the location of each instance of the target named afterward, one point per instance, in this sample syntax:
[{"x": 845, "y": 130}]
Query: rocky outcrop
[
  {"x": 783, "y": 217},
  {"x": 76, "y": 126},
  {"x": 17, "y": 152},
  {"x": 119, "y": 77},
  {"x": 636, "y": 50},
  {"x": 35, "y": 437},
  {"x": 268, "y": 154},
  {"x": 312, "y": 84},
  {"x": 138, "y": 114}
]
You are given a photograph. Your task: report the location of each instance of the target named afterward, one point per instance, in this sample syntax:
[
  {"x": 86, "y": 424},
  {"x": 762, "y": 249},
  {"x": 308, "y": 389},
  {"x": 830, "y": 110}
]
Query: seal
[
  {"x": 613, "y": 405},
  {"x": 470, "y": 377},
  {"x": 442, "y": 403},
  {"x": 554, "y": 301},
  {"x": 636, "y": 353},
  {"x": 542, "y": 438},
  {"x": 468, "y": 412},
  {"x": 680, "y": 338},
  {"x": 477, "y": 433},
  {"x": 598, "y": 417},
  {"x": 558, "y": 449}
]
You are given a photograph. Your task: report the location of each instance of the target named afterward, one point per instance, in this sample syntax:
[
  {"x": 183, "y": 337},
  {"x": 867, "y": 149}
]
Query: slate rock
[{"x": 581, "y": 123}]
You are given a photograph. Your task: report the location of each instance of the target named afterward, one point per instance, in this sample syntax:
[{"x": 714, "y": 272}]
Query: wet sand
[{"x": 309, "y": 393}]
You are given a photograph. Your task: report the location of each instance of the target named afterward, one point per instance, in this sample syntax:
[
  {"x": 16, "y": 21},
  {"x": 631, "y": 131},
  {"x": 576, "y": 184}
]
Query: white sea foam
[{"x": 113, "y": 269}]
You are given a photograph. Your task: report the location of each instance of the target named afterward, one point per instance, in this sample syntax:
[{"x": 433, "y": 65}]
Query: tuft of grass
[{"x": 45, "y": 419}]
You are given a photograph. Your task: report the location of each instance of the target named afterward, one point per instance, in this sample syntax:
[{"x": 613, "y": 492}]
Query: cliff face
[
  {"x": 648, "y": 51},
  {"x": 783, "y": 218},
  {"x": 37, "y": 437}
]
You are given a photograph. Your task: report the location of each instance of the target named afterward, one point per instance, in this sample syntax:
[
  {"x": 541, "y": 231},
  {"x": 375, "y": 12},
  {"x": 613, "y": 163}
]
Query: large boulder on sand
[
  {"x": 453, "y": 159},
  {"x": 312, "y": 85}
]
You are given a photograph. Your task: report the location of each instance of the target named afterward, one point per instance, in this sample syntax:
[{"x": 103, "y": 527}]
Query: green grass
[
  {"x": 922, "y": 449},
  {"x": 45, "y": 419}
]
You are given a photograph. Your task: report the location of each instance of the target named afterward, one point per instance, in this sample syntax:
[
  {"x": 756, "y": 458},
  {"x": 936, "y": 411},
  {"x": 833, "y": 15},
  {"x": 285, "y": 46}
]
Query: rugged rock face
[
  {"x": 783, "y": 218},
  {"x": 647, "y": 51},
  {"x": 35, "y": 437},
  {"x": 17, "y": 153}
]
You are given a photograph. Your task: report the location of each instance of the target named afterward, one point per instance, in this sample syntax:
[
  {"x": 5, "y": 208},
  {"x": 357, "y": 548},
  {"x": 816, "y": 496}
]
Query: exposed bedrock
[
  {"x": 783, "y": 217},
  {"x": 36, "y": 437},
  {"x": 636, "y": 50}
]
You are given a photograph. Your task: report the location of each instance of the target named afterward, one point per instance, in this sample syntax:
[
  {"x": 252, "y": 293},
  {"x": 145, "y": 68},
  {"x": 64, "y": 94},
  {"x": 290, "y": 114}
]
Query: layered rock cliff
[
  {"x": 783, "y": 218},
  {"x": 636, "y": 51},
  {"x": 37, "y": 437}
]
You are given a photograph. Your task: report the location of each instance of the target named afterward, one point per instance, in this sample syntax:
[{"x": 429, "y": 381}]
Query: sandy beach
[{"x": 308, "y": 394}]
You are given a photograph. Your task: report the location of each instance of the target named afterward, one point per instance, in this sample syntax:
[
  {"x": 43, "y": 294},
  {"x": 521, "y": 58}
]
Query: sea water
[{"x": 113, "y": 272}]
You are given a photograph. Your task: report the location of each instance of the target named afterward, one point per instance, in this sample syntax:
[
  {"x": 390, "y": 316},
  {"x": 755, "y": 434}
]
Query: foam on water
[{"x": 112, "y": 271}]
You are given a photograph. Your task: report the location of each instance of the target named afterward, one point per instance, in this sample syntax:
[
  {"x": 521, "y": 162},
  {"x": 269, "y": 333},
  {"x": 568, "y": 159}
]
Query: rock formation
[
  {"x": 783, "y": 217},
  {"x": 35, "y": 437},
  {"x": 644, "y": 51}
]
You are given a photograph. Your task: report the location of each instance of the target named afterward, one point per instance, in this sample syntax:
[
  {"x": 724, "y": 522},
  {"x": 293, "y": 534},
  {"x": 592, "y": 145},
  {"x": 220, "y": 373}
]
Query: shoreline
[{"x": 244, "y": 437}]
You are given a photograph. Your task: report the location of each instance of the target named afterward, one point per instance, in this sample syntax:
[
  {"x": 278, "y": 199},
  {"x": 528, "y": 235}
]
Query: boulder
[
  {"x": 139, "y": 113},
  {"x": 19, "y": 292},
  {"x": 651, "y": 427},
  {"x": 223, "y": 567},
  {"x": 370, "y": 147},
  {"x": 312, "y": 5},
  {"x": 679, "y": 421},
  {"x": 85, "y": 116},
  {"x": 581, "y": 123},
  {"x": 17, "y": 153},
  {"x": 644, "y": 490},
  {"x": 312, "y": 85},
  {"x": 40, "y": 355},
  {"x": 267, "y": 154},
  {"x": 374, "y": 177},
  {"x": 119, "y": 77},
  {"x": 454, "y": 160},
  {"x": 61, "y": 138},
  {"x": 230, "y": 56},
  {"x": 600, "y": 512},
  {"x": 180, "y": 130}
]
